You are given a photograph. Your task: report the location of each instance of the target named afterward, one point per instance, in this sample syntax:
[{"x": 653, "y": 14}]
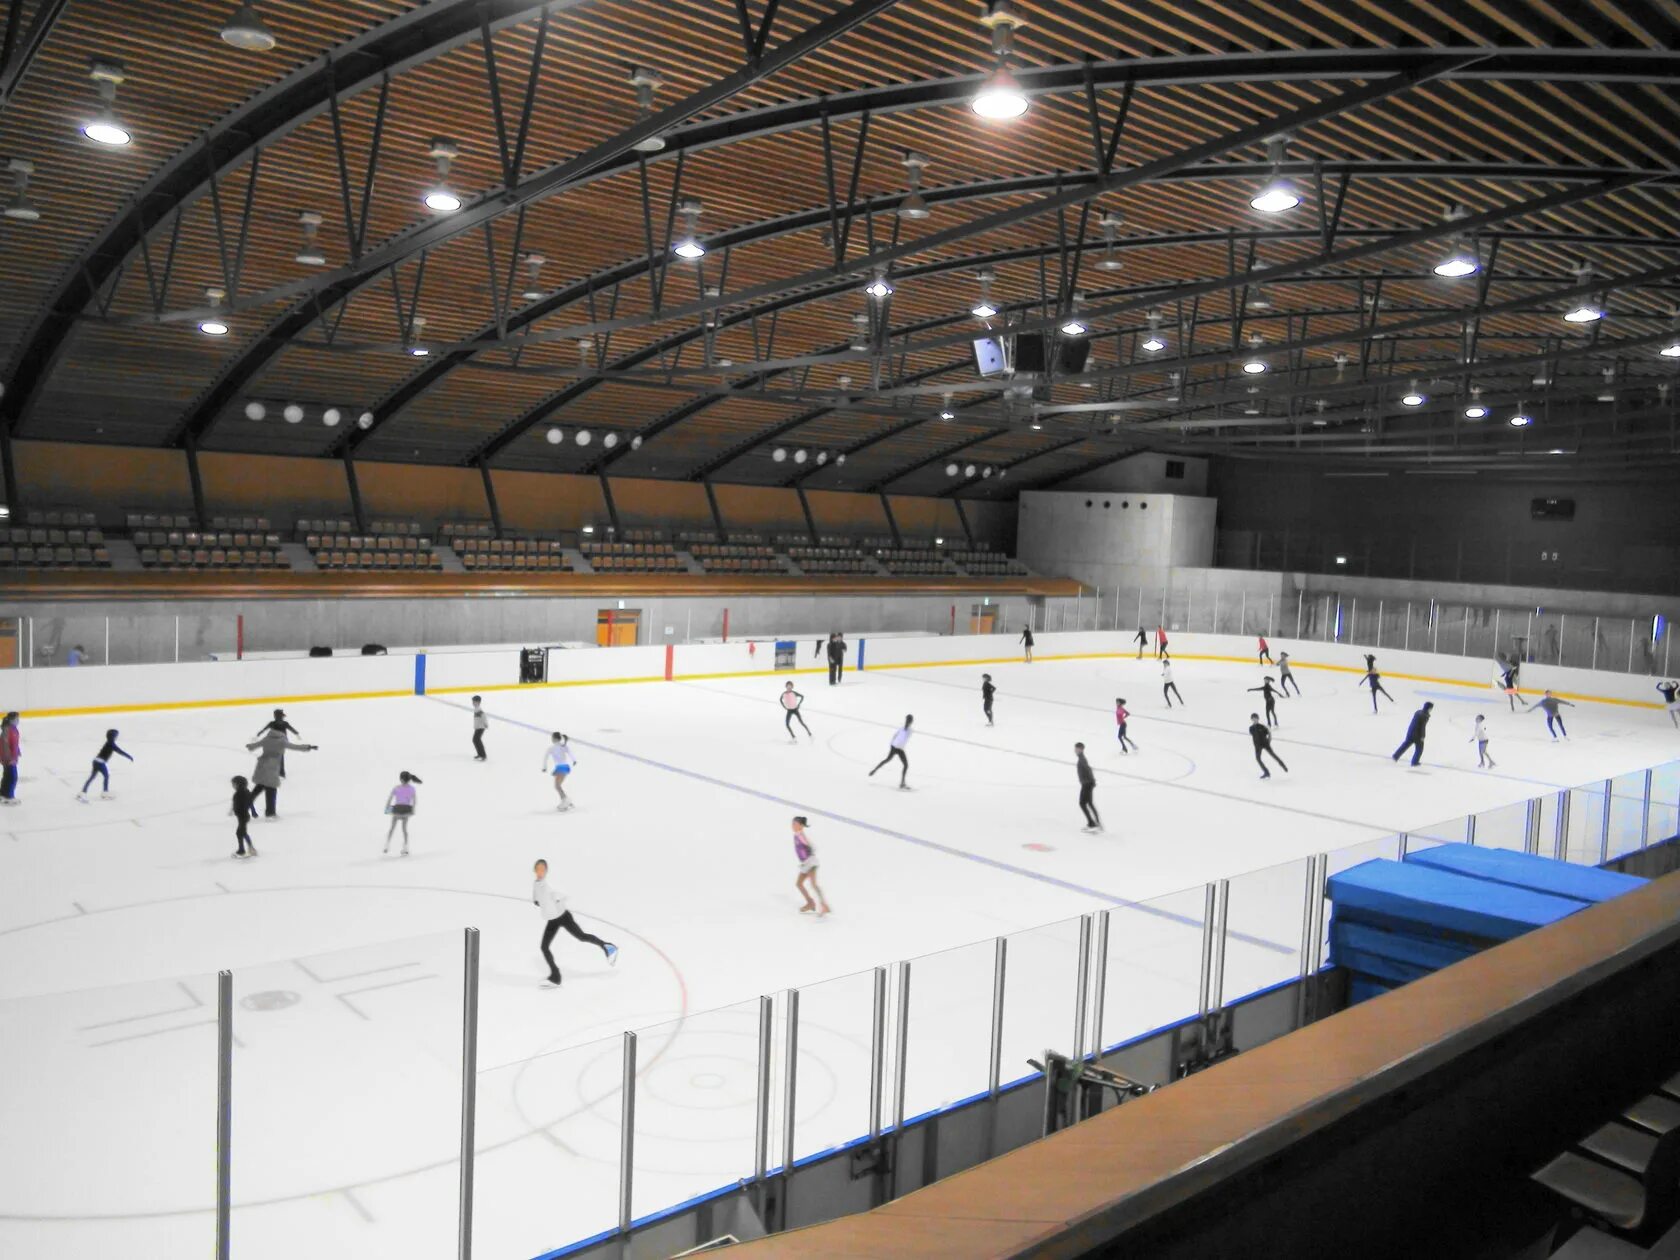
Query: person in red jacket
[
  {"x": 1160, "y": 642},
  {"x": 1265, "y": 652},
  {"x": 10, "y": 751}
]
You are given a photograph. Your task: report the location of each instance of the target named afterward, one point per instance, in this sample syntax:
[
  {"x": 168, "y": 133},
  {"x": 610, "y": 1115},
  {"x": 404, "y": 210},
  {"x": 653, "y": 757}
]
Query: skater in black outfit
[
  {"x": 1087, "y": 786},
  {"x": 1375, "y": 679},
  {"x": 791, "y": 701},
  {"x": 555, "y": 916},
  {"x": 244, "y": 809},
  {"x": 1142, "y": 640},
  {"x": 1508, "y": 682},
  {"x": 481, "y": 723},
  {"x": 1286, "y": 675},
  {"x": 1262, "y": 737},
  {"x": 1370, "y": 663},
  {"x": 1169, "y": 688},
  {"x": 1669, "y": 690},
  {"x": 900, "y": 738},
  {"x": 1270, "y": 696},
  {"x": 836, "y": 658},
  {"x": 102, "y": 767},
  {"x": 1415, "y": 733},
  {"x": 1027, "y": 642},
  {"x": 987, "y": 691},
  {"x": 1549, "y": 703}
]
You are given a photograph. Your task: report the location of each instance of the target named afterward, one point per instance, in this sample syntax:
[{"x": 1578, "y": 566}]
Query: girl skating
[
  {"x": 558, "y": 761},
  {"x": 791, "y": 700},
  {"x": 1027, "y": 643},
  {"x": 987, "y": 691},
  {"x": 900, "y": 738},
  {"x": 1480, "y": 738},
  {"x": 1142, "y": 640},
  {"x": 806, "y": 881},
  {"x": 1375, "y": 679},
  {"x": 1160, "y": 642},
  {"x": 102, "y": 768},
  {"x": 1554, "y": 720},
  {"x": 552, "y": 907},
  {"x": 244, "y": 809},
  {"x": 401, "y": 805},
  {"x": 1669, "y": 690},
  {"x": 1508, "y": 681},
  {"x": 1270, "y": 697},
  {"x": 1169, "y": 688},
  {"x": 1286, "y": 676},
  {"x": 1122, "y": 715}
]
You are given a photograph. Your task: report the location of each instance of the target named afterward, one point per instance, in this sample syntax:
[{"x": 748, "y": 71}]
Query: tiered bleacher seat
[
  {"x": 172, "y": 548},
  {"x": 737, "y": 557},
  {"x": 982, "y": 563},
  {"x": 517, "y": 555},
  {"x": 397, "y": 546},
  {"x": 43, "y": 547},
  {"x": 632, "y": 557},
  {"x": 915, "y": 562},
  {"x": 831, "y": 559},
  {"x": 450, "y": 531}
]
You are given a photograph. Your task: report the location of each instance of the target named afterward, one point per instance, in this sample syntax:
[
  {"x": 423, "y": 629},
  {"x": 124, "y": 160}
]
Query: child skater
[
  {"x": 807, "y": 855},
  {"x": 102, "y": 768},
  {"x": 244, "y": 809},
  {"x": 1480, "y": 739},
  {"x": 1169, "y": 688},
  {"x": 1261, "y": 734},
  {"x": 1550, "y": 703},
  {"x": 1669, "y": 690},
  {"x": 1121, "y": 716},
  {"x": 1265, "y": 652},
  {"x": 400, "y": 805},
  {"x": 1375, "y": 679},
  {"x": 900, "y": 738},
  {"x": 791, "y": 700},
  {"x": 1160, "y": 642},
  {"x": 552, "y": 907},
  {"x": 1087, "y": 790},
  {"x": 1270, "y": 697},
  {"x": 481, "y": 723},
  {"x": 1027, "y": 643},
  {"x": 987, "y": 691},
  {"x": 1142, "y": 640},
  {"x": 1286, "y": 675},
  {"x": 1508, "y": 683},
  {"x": 559, "y": 761}
]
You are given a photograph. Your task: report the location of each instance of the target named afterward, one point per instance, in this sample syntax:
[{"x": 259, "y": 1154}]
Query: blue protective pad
[
  {"x": 1352, "y": 939},
  {"x": 1586, "y": 884},
  {"x": 1424, "y": 900}
]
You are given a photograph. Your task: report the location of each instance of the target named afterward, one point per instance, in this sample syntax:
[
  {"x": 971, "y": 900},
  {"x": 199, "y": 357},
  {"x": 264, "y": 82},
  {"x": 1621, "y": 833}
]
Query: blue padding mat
[
  {"x": 1350, "y": 939},
  {"x": 1585, "y": 884},
  {"x": 1376, "y": 967},
  {"x": 1363, "y": 988},
  {"x": 1426, "y": 899}
]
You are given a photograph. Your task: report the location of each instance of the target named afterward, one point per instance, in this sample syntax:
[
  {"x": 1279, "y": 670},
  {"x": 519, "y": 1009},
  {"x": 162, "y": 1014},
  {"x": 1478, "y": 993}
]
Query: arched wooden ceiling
[{"x": 1551, "y": 129}]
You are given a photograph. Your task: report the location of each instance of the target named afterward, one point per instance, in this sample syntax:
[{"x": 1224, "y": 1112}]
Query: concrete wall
[
  {"x": 1114, "y": 538},
  {"x": 1145, "y": 471}
]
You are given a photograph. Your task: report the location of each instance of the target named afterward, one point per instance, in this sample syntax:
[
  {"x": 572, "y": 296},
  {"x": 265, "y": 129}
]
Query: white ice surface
[{"x": 115, "y": 915}]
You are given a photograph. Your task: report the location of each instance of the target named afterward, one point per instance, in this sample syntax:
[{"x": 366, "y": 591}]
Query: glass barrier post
[
  {"x": 1563, "y": 621},
  {"x": 1406, "y": 638},
  {"x": 1531, "y": 827},
  {"x": 1604, "y": 824},
  {"x": 902, "y": 1057},
  {"x": 1300, "y": 606},
  {"x": 1645, "y": 814},
  {"x": 224, "y": 1114},
  {"x": 790, "y": 1091},
  {"x": 877, "y": 1052},
  {"x": 469, "y": 1087},
  {"x": 627, "y": 1134},
  {"x": 1082, "y": 986},
  {"x": 1594, "y": 664},
  {"x": 1242, "y": 616},
  {"x": 1209, "y": 901},
  {"x": 761, "y": 1118},
  {"x": 1352, "y": 621},
  {"x": 1101, "y": 995},
  {"x": 1633, "y": 630},
  {"x": 1216, "y": 985},
  {"x": 1405, "y": 843},
  {"x": 1309, "y": 898},
  {"x": 1319, "y": 881},
  {"x": 1560, "y": 833},
  {"x": 1216, "y": 610},
  {"x": 1000, "y": 956},
  {"x": 1470, "y": 829}
]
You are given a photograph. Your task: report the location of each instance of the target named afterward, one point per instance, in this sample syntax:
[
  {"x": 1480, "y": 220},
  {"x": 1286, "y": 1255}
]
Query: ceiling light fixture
[
  {"x": 688, "y": 246},
  {"x": 309, "y": 254},
  {"x": 1475, "y": 411},
  {"x": 1671, "y": 350},
  {"x": 860, "y": 332},
  {"x": 879, "y": 288},
  {"x": 246, "y": 32},
  {"x": 1000, "y": 97},
  {"x": 968, "y": 470},
  {"x": 533, "y": 282},
  {"x": 440, "y": 198},
  {"x": 19, "y": 207},
  {"x": 951, "y": 470},
  {"x": 914, "y": 205},
  {"x": 293, "y": 413},
  {"x": 945, "y": 412},
  {"x": 365, "y": 420},
  {"x": 1111, "y": 223},
  {"x": 213, "y": 325},
  {"x": 1153, "y": 344},
  {"x": 801, "y": 455},
  {"x": 1590, "y": 309},
  {"x": 646, "y": 82},
  {"x": 609, "y": 440},
  {"x": 1277, "y": 194},
  {"x": 983, "y": 309},
  {"x": 584, "y": 437},
  {"x": 1608, "y": 393},
  {"x": 636, "y": 442},
  {"x": 255, "y": 410},
  {"x": 331, "y": 416},
  {"x": 1413, "y": 398},
  {"x": 779, "y": 455},
  {"x": 1520, "y": 419},
  {"x": 554, "y": 437},
  {"x": 105, "y": 127},
  {"x": 1255, "y": 364},
  {"x": 417, "y": 325},
  {"x": 1073, "y": 326}
]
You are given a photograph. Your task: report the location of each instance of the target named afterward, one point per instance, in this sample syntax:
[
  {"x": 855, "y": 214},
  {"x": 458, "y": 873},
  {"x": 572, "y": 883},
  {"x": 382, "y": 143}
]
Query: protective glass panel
[
  {"x": 1448, "y": 831},
  {"x": 1264, "y": 914},
  {"x": 1503, "y": 828},
  {"x": 1586, "y": 821},
  {"x": 831, "y": 1095},
  {"x": 1039, "y": 995},
  {"x": 1627, "y": 813},
  {"x": 949, "y": 1052},
  {"x": 1665, "y": 802},
  {"x": 1154, "y": 971}
]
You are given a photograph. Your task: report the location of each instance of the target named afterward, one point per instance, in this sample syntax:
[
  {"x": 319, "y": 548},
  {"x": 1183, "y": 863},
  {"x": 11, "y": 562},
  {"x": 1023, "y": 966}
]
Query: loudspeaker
[
  {"x": 320, "y": 651},
  {"x": 373, "y": 649}
]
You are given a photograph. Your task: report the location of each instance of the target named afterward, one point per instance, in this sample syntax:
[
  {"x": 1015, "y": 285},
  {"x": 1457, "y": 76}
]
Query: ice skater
[
  {"x": 1554, "y": 720},
  {"x": 11, "y": 751},
  {"x": 791, "y": 700},
  {"x": 1370, "y": 663},
  {"x": 481, "y": 723},
  {"x": 243, "y": 810},
  {"x": 1122, "y": 715},
  {"x": 401, "y": 805},
  {"x": 1286, "y": 675},
  {"x": 1479, "y": 737},
  {"x": 284, "y": 727},
  {"x": 552, "y": 907},
  {"x": 1027, "y": 643},
  {"x": 1265, "y": 652},
  {"x": 1415, "y": 733},
  {"x": 900, "y": 738},
  {"x": 836, "y": 658},
  {"x": 102, "y": 768},
  {"x": 1508, "y": 682},
  {"x": 1169, "y": 688},
  {"x": 1142, "y": 640},
  {"x": 1375, "y": 680},
  {"x": 558, "y": 761},
  {"x": 1270, "y": 697},
  {"x": 1261, "y": 734},
  {"x": 987, "y": 691},
  {"x": 271, "y": 752},
  {"x": 1669, "y": 690},
  {"x": 1087, "y": 791},
  {"x": 806, "y": 854},
  {"x": 1160, "y": 642}
]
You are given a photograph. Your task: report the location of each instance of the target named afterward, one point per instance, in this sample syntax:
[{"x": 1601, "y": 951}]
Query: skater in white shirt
[
  {"x": 552, "y": 907},
  {"x": 900, "y": 738},
  {"x": 558, "y": 761},
  {"x": 1480, "y": 739},
  {"x": 481, "y": 723}
]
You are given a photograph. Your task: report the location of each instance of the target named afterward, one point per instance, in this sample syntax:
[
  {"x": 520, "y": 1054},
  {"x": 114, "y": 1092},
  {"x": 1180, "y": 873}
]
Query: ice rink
[{"x": 115, "y": 915}]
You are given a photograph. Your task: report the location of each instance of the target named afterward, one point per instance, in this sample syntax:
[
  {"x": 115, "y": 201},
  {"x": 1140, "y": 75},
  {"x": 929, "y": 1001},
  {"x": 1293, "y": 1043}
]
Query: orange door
[{"x": 618, "y": 627}]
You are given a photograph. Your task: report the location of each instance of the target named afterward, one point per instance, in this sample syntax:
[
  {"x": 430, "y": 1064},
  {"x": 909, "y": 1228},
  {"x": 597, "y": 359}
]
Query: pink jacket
[{"x": 9, "y": 747}]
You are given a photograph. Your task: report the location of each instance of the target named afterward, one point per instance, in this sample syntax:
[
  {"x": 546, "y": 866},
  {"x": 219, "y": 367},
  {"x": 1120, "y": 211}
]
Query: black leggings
[
  {"x": 1168, "y": 690},
  {"x": 242, "y": 835},
  {"x": 1087, "y": 805},
  {"x": 1126, "y": 740},
  {"x": 1415, "y": 744},
  {"x": 794, "y": 713},
  {"x": 271, "y": 796},
  {"x": 571, "y": 925},
  {"x": 1271, "y": 712},
  {"x": 100, "y": 769},
  {"x": 1375, "y": 687},
  {"x": 1265, "y": 750},
  {"x": 1558, "y": 718},
  {"x": 478, "y": 746},
  {"x": 903, "y": 760},
  {"x": 1283, "y": 683}
]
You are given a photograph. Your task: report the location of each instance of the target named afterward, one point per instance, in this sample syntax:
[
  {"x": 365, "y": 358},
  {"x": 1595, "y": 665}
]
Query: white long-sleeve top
[
  {"x": 558, "y": 755},
  {"x": 901, "y": 737},
  {"x": 1481, "y": 734},
  {"x": 549, "y": 903}
]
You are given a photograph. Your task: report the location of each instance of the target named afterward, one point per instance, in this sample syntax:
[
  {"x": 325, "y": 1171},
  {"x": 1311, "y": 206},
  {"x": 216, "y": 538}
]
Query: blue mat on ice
[
  {"x": 1586, "y": 884},
  {"x": 1414, "y": 897}
]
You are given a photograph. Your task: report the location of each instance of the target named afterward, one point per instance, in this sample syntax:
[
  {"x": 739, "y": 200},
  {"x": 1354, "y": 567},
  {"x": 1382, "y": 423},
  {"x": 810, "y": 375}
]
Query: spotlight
[
  {"x": 365, "y": 420},
  {"x": 20, "y": 208},
  {"x": 310, "y": 255},
  {"x": 213, "y": 325},
  {"x": 1521, "y": 420},
  {"x": 331, "y": 416},
  {"x": 584, "y": 437},
  {"x": 245, "y": 31},
  {"x": 533, "y": 284},
  {"x": 293, "y": 413},
  {"x": 1000, "y": 97},
  {"x": 986, "y": 471},
  {"x": 609, "y": 440},
  {"x": 947, "y": 414},
  {"x": 914, "y": 205},
  {"x": 1073, "y": 328},
  {"x": 1671, "y": 350},
  {"x": 440, "y": 197},
  {"x": 1585, "y": 313},
  {"x": 688, "y": 246},
  {"x": 800, "y": 456},
  {"x": 1460, "y": 261},
  {"x": 1475, "y": 411},
  {"x": 839, "y": 459},
  {"x": 950, "y": 470},
  {"x": 1278, "y": 194},
  {"x": 1413, "y": 398},
  {"x": 105, "y": 127},
  {"x": 822, "y": 458},
  {"x": 968, "y": 471},
  {"x": 255, "y": 411},
  {"x": 636, "y": 442},
  {"x": 555, "y": 437},
  {"x": 879, "y": 288},
  {"x": 646, "y": 82},
  {"x": 779, "y": 455}
]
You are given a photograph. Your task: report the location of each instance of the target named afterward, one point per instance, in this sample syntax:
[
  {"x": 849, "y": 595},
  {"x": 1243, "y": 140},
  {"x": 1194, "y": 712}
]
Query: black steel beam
[{"x": 22, "y": 47}]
